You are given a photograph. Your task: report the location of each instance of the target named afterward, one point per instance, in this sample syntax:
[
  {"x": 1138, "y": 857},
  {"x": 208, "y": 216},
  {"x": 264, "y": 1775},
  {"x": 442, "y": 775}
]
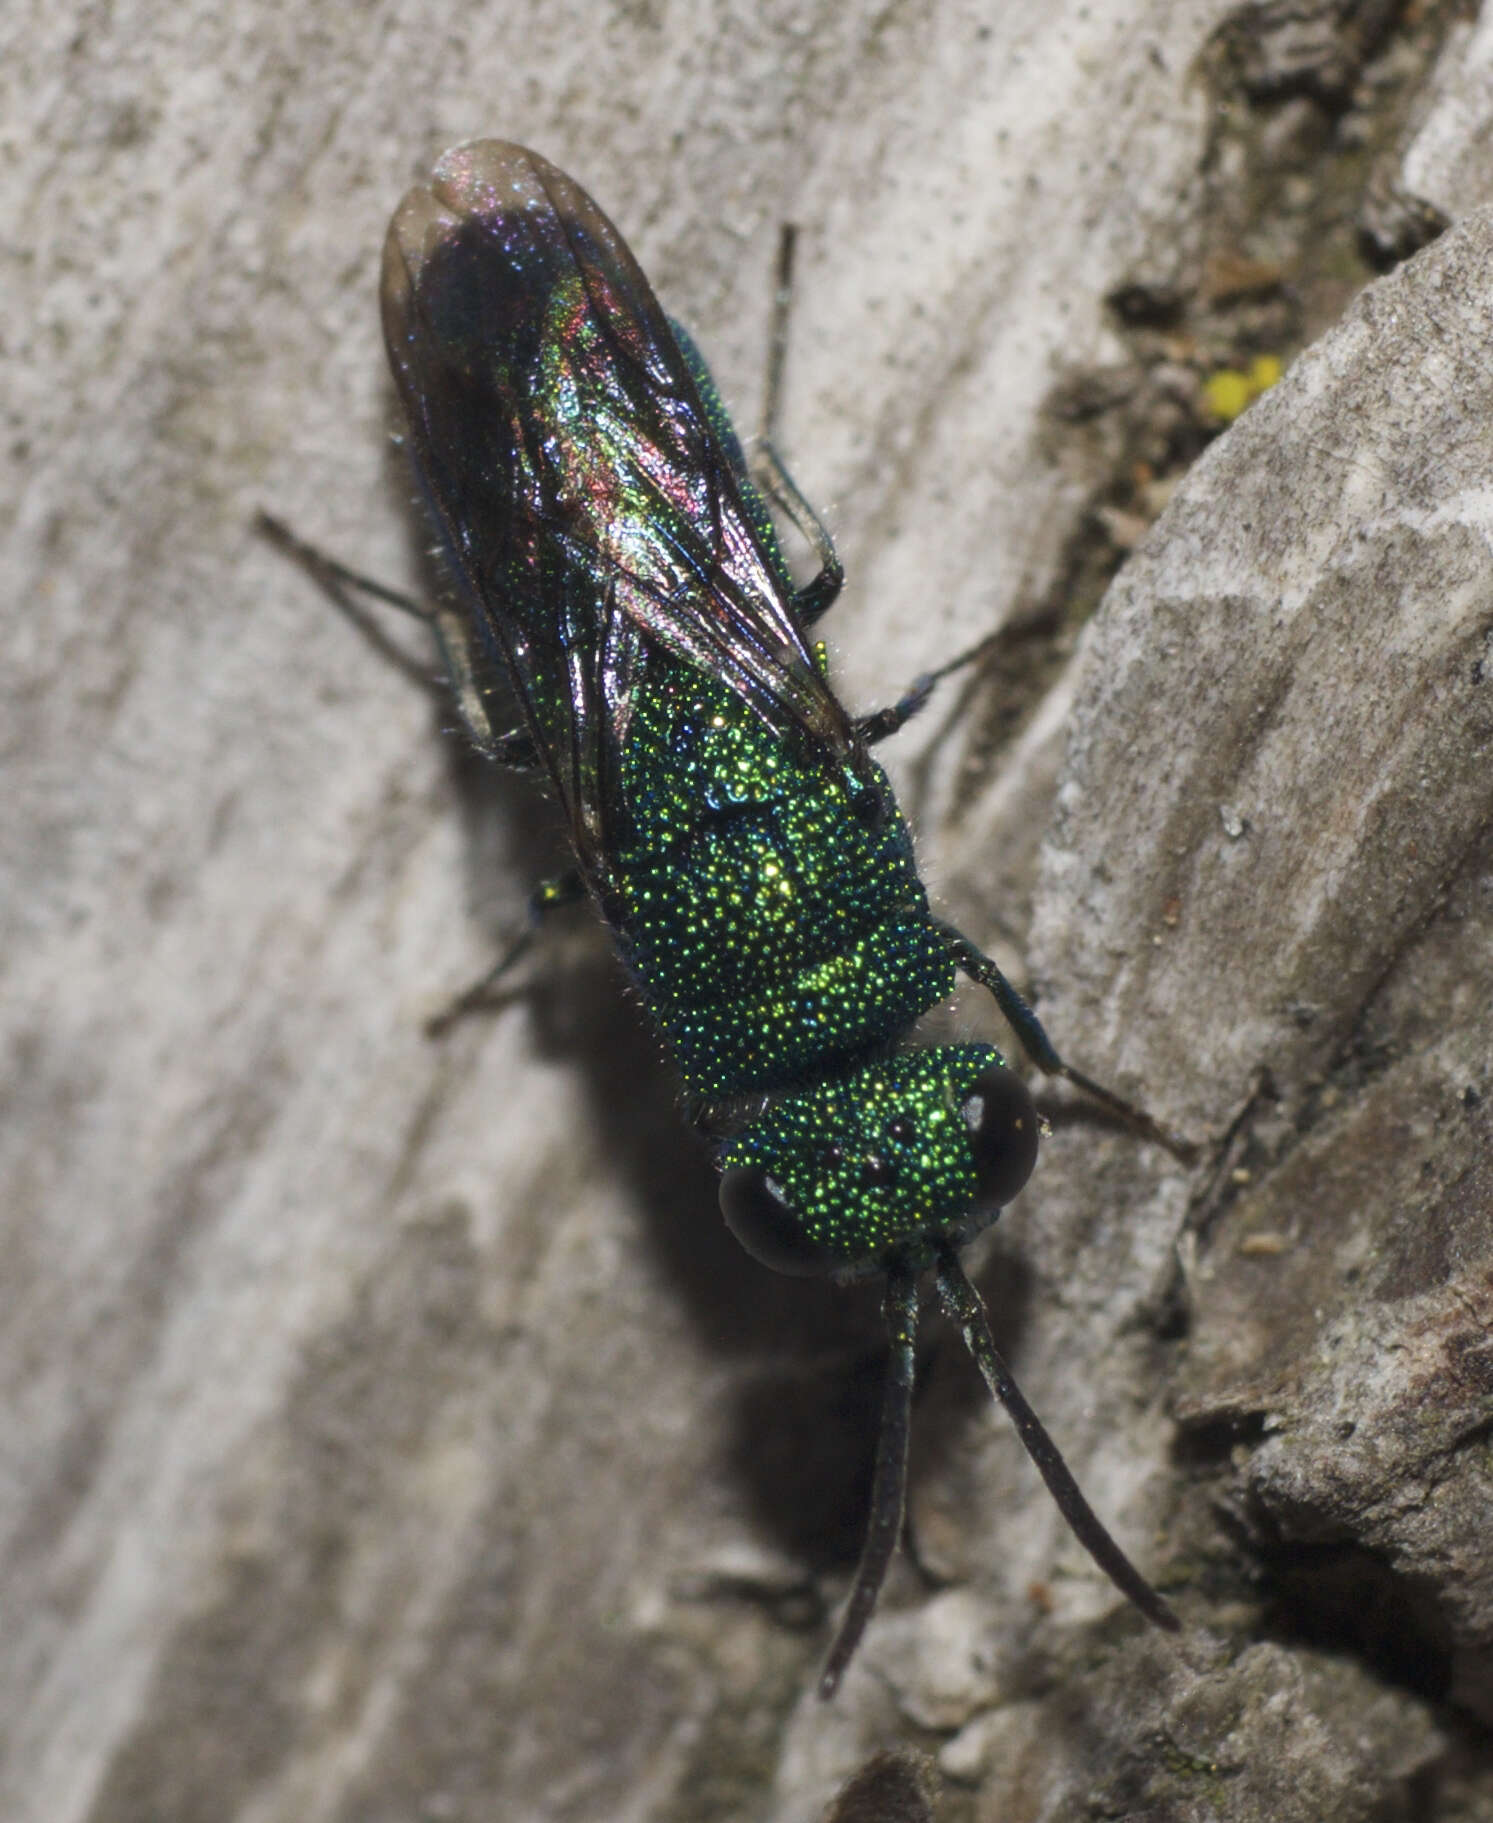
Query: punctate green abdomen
[{"x": 770, "y": 905}]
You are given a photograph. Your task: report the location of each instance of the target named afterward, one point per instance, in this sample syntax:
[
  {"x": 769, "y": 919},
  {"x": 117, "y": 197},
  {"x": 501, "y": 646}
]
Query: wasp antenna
[
  {"x": 889, "y": 1489},
  {"x": 962, "y": 1303}
]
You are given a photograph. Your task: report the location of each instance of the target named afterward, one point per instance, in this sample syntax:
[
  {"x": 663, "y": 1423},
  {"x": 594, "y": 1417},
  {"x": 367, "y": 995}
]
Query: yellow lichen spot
[
  {"x": 1226, "y": 393},
  {"x": 1228, "y": 390},
  {"x": 1264, "y": 371}
]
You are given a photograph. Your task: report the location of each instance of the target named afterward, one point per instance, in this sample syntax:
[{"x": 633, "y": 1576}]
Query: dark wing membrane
[{"x": 573, "y": 469}]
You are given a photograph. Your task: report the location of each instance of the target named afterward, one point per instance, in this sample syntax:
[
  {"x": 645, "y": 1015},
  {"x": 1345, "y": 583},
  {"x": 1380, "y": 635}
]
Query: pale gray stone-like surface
[
  {"x": 1268, "y": 885},
  {"x": 1449, "y": 160},
  {"x": 1318, "y": 605},
  {"x": 391, "y": 1430}
]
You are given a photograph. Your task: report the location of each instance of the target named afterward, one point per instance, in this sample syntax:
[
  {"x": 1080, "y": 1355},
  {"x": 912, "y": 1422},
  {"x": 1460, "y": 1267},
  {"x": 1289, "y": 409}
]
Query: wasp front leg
[{"x": 1040, "y": 1049}]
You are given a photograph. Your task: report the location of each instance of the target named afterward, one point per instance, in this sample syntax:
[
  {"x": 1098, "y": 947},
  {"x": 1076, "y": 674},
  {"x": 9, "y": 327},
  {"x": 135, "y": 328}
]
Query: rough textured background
[{"x": 392, "y": 1431}]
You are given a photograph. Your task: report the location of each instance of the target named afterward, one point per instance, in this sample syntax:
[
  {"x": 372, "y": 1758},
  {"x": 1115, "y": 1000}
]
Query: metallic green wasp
[{"x": 617, "y": 566}]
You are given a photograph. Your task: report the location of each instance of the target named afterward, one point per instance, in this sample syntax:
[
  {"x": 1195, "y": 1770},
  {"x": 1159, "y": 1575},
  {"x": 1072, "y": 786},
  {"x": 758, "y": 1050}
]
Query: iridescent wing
[{"x": 588, "y": 504}]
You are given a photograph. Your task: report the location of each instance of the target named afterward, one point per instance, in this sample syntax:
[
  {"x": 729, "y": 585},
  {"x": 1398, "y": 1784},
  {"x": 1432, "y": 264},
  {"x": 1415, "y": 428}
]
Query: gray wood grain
[{"x": 391, "y": 1430}]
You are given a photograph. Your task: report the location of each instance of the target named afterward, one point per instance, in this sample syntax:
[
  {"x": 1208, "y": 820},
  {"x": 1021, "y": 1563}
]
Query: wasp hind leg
[
  {"x": 768, "y": 472},
  {"x": 820, "y": 593}
]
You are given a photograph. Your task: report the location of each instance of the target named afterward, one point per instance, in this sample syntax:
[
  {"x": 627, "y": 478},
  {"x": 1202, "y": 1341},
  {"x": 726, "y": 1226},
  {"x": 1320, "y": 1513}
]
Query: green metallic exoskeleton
[{"x": 617, "y": 567}]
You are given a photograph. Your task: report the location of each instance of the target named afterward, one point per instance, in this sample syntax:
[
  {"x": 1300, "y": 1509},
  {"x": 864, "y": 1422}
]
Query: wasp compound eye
[
  {"x": 759, "y": 1214},
  {"x": 1002, "y": 1133}
]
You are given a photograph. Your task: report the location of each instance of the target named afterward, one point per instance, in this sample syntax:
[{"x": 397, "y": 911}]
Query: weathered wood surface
[{"x": 391, "y": 1430}]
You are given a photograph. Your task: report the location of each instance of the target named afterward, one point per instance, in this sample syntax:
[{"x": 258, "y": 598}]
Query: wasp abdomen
[{"x": 775, "y": 928}]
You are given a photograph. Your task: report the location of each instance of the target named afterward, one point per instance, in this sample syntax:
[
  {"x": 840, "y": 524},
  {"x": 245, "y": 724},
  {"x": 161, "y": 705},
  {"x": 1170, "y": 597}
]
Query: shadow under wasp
[{"x": 616, "y": 566}]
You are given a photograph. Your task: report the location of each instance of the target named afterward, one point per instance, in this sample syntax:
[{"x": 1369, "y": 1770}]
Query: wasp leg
[
  {"x": 777, "y": 338},
  {"x": 883, "y": 722},
  {"x": 482, "y": 995},
  {"x": 1039, "y": 1047},
  {"x": 820, "y": 593},
  {"x": 514, "y": 748},
  {"x": 768, "y": 471},
  {"x": 331, "y": 574}
]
